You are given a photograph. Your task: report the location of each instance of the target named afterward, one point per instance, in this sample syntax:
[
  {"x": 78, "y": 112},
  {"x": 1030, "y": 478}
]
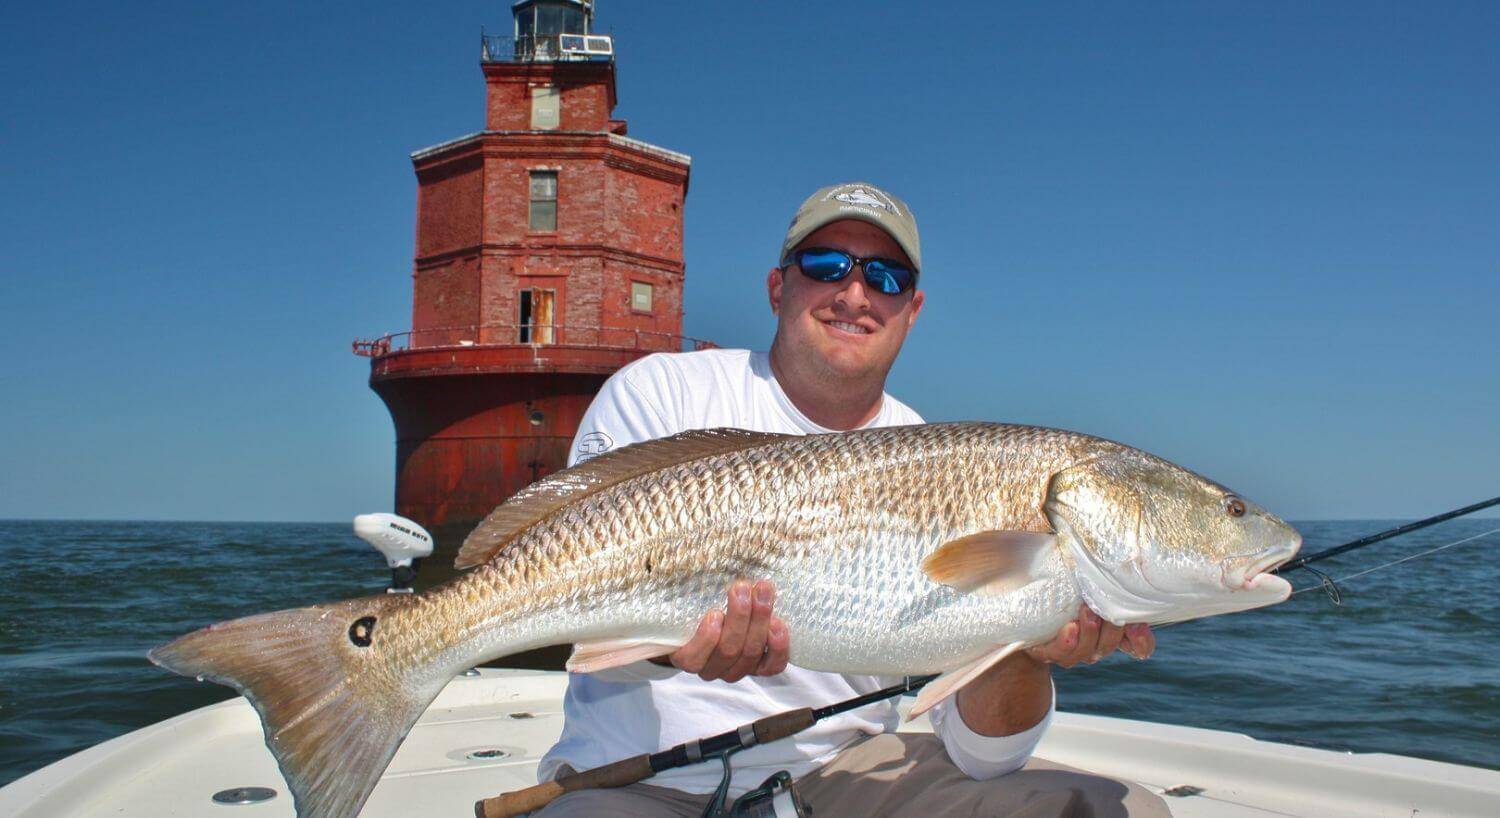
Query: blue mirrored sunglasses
[{"x": 825, "y": 264}]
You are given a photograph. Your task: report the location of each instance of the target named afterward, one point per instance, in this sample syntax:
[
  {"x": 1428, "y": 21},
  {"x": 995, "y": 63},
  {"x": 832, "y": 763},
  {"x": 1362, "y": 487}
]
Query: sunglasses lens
[
  {"x": 889, "y": 277},
  {"x": 824, "y": 265}
]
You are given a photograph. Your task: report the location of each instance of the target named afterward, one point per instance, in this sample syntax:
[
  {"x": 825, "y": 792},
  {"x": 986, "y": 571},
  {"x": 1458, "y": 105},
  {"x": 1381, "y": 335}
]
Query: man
[{"x": 845, "y": 296}]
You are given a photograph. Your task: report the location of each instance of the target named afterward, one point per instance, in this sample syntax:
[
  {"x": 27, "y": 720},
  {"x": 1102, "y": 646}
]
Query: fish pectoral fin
[
  {"x": 590, "y": 657},
  {"x": 994, "y": 560},
  {"x": 949, "y": 683}
]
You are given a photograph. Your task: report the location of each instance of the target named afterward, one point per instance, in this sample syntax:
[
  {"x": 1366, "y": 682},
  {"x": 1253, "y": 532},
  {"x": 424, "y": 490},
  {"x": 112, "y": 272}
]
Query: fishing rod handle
[
  {"x": 781, "y": 725},
  {"x": 628, "y": 771},
  {"x": 618, "y": 774}
]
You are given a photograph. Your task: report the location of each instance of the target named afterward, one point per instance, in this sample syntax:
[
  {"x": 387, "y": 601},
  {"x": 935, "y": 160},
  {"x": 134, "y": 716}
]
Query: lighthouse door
[{"x": 536, "y": 319}]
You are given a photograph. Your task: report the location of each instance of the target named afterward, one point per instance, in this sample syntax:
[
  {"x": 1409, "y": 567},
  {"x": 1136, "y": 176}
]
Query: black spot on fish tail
[{"x": 362, "y": 631}]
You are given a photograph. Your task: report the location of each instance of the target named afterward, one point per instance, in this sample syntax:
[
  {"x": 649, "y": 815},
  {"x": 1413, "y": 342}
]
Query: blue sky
[{"x": 1257, "y": 239}]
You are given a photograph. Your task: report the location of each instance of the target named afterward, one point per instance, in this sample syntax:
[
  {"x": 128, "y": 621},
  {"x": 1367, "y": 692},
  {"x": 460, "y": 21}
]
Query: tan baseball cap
[{"x": 855, "y": 200}]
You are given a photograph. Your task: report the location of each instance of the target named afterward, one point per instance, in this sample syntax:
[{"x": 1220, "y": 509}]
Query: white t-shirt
[{"x": 644, "y": 707}]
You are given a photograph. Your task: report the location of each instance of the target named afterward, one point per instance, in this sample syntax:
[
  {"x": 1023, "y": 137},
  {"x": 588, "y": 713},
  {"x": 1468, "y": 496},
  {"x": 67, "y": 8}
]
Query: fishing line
[
  {"x": 1301, "y": 562},
  {"x": 1329, "y": 584},
  {"x": 1335, "y": 594}
]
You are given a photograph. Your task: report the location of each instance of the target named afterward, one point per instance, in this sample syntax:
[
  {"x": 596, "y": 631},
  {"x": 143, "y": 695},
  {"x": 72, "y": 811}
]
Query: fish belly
[
  {"x": 897, "y": 622},
  {"x": 860, "y": 611}
]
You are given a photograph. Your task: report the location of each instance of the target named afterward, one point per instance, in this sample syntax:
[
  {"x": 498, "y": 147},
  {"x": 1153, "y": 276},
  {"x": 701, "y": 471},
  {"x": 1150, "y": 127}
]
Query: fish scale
[
  {"x": 905, "y": 550},
  {"x": 845, "y": 482}
]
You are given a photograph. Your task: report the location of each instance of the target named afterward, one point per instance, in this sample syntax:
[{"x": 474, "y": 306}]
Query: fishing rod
[
  {"x": 781, "y": 725},
  {"x": 641, "y": 767},
  {"x": 1301, "y": 562}
]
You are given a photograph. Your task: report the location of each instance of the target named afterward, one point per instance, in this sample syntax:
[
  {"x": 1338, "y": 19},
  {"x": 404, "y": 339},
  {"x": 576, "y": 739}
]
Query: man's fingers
[
  {"x": 745, "y": 638},
  {"x": 778, "y": 649},
  {"x": 1089, "y": 625},
  {"x": 692, "y": 656},
  {"x": 1141, "y": 641},
  {"x": 1067, "y": 642},
  {"x": 1090, "y": 638},
  {"x": 753, "y": 649},
  {"x": 1110, "y": 637},
  {"x": 1060, "y": 650},
  {"x": 732, "y": 635}
]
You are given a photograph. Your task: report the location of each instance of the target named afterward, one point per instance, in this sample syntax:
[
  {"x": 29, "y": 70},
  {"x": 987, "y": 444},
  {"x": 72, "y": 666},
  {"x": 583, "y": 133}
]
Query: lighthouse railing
[
  {"x": 546, "y": 48},
  {"x": 529, "y": 335}
]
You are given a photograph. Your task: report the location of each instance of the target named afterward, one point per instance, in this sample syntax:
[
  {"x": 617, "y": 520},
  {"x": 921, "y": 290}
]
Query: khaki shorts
[{"x": 895, "y": 775}]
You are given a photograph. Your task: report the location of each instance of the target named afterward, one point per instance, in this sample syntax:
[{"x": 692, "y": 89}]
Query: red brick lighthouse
[{"x": 548, "y": 255}]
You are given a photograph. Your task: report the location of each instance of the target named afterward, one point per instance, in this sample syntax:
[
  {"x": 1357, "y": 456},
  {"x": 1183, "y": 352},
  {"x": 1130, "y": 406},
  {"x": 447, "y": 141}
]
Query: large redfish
[{"x": 895, "y": 551}]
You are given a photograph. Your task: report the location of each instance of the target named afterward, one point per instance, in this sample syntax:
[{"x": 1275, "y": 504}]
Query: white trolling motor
[{"x": 402, "y": 541}]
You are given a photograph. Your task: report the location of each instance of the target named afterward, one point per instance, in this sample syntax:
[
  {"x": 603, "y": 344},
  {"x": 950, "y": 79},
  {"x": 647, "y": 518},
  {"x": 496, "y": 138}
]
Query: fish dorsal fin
[
  {"x": 993, "y": 560},
  {"x": 531, "y": 504}
]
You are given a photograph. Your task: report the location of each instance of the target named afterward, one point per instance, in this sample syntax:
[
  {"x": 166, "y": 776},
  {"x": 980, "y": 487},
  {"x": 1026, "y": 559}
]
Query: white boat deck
[{"x": 174, "y": 767}]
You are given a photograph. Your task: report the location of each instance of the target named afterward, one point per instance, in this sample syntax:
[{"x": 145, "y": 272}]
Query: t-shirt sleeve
[
  {"x": 981, "y": 757},
  {"x": 627, "y": 410}
]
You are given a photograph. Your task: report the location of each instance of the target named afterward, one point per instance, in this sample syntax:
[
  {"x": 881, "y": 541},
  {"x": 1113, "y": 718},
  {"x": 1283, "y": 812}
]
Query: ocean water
[{"x": 1406, "y": 665}]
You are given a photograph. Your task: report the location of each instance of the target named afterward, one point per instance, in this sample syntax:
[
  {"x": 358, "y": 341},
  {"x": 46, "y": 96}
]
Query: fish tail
[{"x": 333, "y": 708}]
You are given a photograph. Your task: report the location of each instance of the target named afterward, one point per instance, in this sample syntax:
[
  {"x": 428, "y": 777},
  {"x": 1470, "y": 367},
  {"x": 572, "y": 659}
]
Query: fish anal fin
[
  {"x": 949, "y": 683},
  {"x": 590, "y": 657},
  {"x": 530, "y": 505},
  {"x": 994, "y": 560}
]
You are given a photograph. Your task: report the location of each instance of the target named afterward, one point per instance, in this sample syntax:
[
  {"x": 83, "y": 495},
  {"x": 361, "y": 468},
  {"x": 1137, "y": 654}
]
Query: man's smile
[{"x": 848, "y": 328}]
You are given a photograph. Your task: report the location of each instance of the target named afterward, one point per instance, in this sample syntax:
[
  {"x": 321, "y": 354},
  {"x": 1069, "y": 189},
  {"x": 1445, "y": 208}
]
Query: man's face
[{"x": 844, "y": 328}]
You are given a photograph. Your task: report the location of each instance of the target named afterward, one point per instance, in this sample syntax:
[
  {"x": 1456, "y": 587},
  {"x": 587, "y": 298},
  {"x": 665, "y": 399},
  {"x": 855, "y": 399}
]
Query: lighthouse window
[
  {"x": 544, "y": 108},
  {"x": 640, "y": 296},
  {"x": 535, "y": 322},
  {"x": 558, "y": 19},
  {"x": 549, "y": 20},
  {"x": 544, "y": 200}
]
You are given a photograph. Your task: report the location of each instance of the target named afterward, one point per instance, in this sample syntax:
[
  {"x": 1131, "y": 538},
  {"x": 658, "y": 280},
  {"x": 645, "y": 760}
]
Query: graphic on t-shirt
[{"x": 593, "y": 444}]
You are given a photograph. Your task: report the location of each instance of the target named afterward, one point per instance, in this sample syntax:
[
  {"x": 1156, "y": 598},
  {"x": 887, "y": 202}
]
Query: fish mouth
[{"x": 1258, "y": 574}]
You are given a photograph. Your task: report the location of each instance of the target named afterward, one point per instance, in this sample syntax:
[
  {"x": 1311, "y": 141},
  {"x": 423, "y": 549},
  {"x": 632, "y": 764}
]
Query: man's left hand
[{"x": 1090, "y": 638}]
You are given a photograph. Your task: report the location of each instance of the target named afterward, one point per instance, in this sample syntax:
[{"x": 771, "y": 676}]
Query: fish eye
[{"x": 1234, "y": 506}]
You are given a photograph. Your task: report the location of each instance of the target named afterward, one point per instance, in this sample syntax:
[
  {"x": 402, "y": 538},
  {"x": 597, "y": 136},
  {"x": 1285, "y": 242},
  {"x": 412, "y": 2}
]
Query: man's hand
[
  {"x": 745, "y": 639},
  {"x": 1089, "y": 638},
  {"x": 1014, "y": 695}
]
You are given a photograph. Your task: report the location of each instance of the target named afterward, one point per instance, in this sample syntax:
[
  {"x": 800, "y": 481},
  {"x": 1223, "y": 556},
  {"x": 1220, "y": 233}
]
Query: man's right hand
[{"x": 745, "y": 639}]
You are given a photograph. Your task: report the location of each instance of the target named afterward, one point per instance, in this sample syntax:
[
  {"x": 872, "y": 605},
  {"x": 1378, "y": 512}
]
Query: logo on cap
[{"x": 862, "y": 196}]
